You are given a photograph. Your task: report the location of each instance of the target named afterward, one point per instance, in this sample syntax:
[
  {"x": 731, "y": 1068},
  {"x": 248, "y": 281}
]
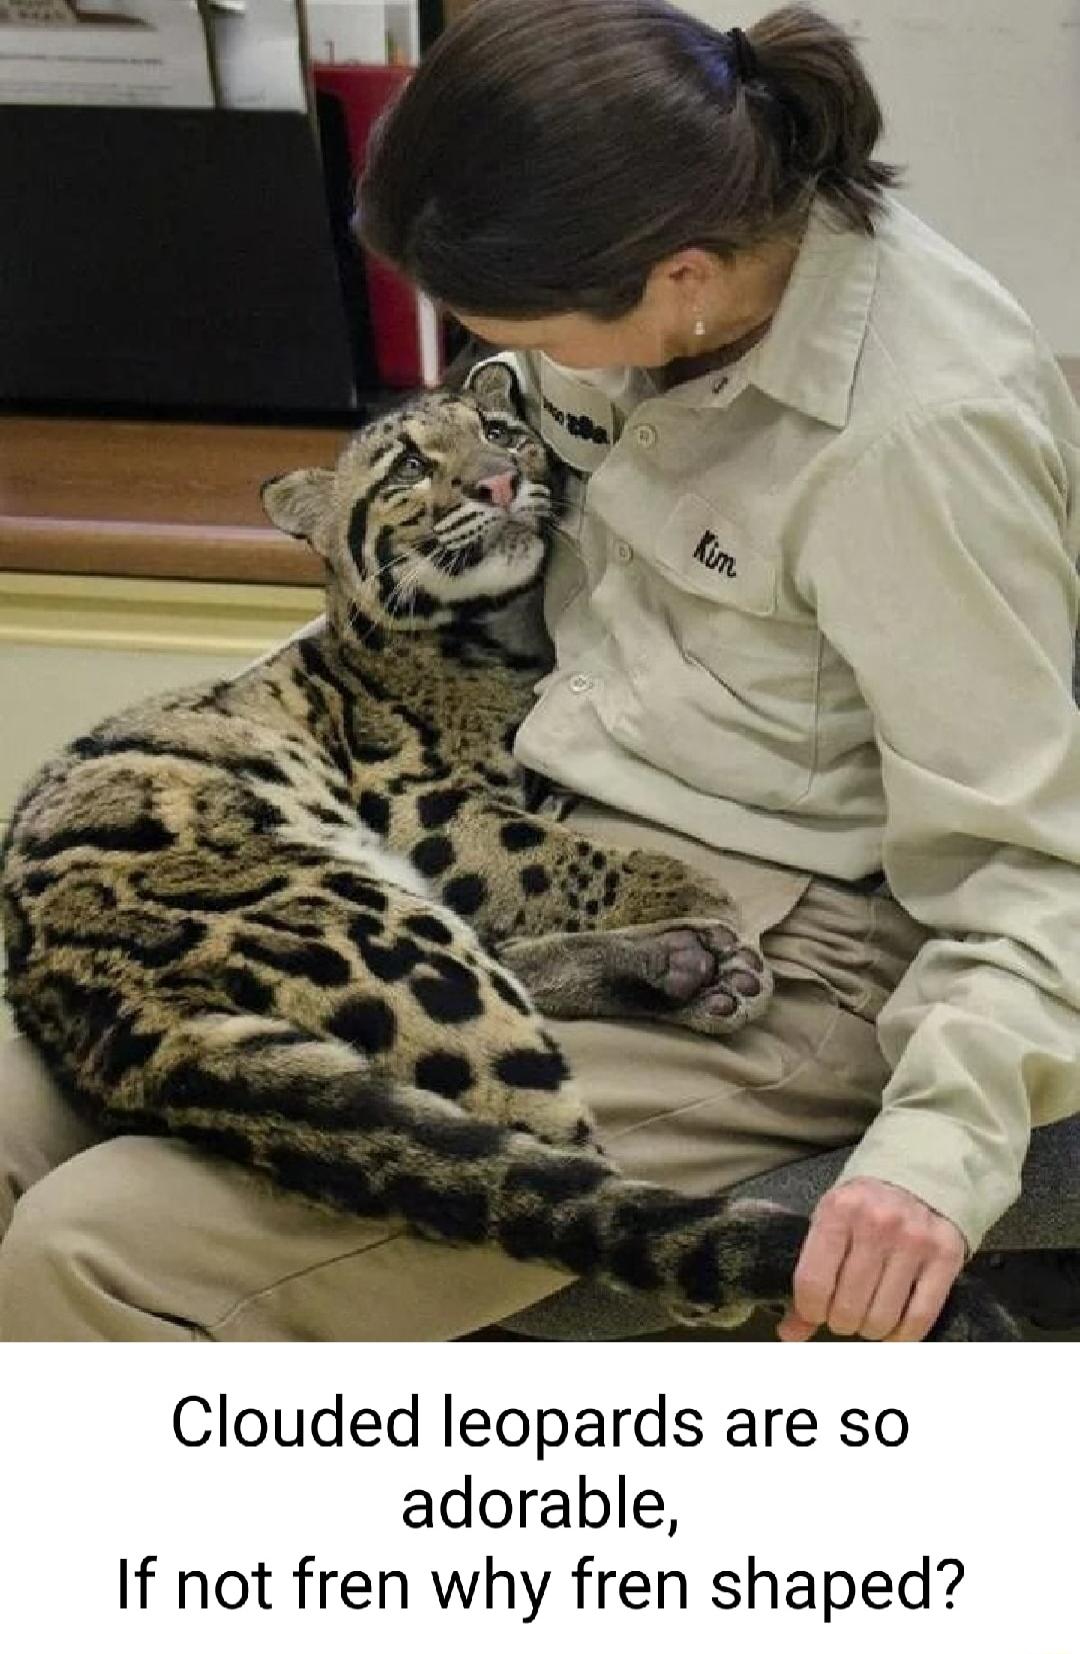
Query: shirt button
[
  {"x": 646, "y": 436},
  {"x": 624, "y": 552},
  {"x": 579, "y": 683}
]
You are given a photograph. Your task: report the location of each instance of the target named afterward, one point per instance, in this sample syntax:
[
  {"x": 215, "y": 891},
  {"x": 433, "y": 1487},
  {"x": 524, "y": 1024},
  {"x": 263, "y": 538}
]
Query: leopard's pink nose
[{"x": 499, "y": 489}]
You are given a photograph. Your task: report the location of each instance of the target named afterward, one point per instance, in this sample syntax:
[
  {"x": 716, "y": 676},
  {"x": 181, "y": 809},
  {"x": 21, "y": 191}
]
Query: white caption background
[{"x": 91, "y": 1473}]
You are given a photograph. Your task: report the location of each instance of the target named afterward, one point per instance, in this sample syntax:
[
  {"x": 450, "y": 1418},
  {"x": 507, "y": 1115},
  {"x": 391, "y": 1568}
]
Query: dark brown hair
[{"x": 548, "y": 153}]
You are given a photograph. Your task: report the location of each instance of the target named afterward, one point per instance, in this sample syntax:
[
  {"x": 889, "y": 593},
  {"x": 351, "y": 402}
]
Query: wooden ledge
[{"x": 159, "y": 501}]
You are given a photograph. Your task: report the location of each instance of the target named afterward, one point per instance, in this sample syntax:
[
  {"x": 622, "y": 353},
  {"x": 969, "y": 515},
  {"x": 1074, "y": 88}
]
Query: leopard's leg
[
  {"x": 684, "y": 972},
  {"x": 592, "y": 930}
]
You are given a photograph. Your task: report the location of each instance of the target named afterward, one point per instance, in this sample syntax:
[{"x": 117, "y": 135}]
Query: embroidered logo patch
[
  {"x": 709, "y": 552},
  {"x": 579, "y": 425}
]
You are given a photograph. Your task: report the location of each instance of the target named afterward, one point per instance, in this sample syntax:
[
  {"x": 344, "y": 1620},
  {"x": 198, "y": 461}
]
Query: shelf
[{"x": 151, "y": 500}]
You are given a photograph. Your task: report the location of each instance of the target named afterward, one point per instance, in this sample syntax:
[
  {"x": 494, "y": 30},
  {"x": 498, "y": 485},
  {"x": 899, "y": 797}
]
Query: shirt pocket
[{"x": 724, "y": 686}]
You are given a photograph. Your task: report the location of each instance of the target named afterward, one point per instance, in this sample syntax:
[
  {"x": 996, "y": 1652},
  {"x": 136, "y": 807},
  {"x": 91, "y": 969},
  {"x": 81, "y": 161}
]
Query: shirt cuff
[{"x": 963, "y": 1177}]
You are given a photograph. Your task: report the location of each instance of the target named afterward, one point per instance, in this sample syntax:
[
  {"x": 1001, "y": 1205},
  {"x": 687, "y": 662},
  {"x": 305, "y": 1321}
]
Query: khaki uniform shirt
[{"x": 819, "y": 607}]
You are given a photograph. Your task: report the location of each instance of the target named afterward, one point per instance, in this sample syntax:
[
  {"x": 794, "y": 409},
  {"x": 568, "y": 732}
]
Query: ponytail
[{"x": 809, "y": 67}]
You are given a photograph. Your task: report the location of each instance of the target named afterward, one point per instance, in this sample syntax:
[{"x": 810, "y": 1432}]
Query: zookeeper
[{"x": 813, "y": 594}]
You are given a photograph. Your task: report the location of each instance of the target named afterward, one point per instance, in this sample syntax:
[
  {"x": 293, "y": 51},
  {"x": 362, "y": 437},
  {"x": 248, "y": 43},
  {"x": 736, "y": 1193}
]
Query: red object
[{"x": 364, "y": 90}]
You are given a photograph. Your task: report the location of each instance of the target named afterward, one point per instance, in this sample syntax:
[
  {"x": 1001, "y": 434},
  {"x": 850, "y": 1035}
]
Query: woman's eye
[
  {"x": 411, "y": 468},
  {"x": 496, "y": 430}
]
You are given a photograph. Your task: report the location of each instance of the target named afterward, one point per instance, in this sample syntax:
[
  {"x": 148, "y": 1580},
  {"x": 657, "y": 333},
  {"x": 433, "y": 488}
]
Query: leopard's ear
[
  {"x": 495, "y": 386},
  {"x": 297, "y": 500}
]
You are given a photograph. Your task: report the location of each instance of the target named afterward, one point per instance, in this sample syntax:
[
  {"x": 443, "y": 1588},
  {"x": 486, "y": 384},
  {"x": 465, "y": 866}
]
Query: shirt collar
[{"x": 808, "y": 358}]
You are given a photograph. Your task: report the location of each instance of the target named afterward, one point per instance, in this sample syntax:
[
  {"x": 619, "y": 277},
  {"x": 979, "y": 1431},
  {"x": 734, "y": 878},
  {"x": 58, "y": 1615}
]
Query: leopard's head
[{"x": 432, "y": 511}]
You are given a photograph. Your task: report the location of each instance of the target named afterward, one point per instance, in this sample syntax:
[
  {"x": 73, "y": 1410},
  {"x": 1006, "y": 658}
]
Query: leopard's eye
[
  {"x": 497, "y": 430},
  {"x": 410, "y": 468}
]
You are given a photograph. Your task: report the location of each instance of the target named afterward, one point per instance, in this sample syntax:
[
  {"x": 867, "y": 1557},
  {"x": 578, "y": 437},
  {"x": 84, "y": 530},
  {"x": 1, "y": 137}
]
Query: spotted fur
[{"x": 304, "y": 918}]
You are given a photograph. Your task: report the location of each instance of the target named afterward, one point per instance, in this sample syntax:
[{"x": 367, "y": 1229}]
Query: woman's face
[
  {"x": 731, "y": 297},
  {"x": 575, "y": 340}
]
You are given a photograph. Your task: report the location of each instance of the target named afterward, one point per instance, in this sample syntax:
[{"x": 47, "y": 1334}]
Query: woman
[
  {"x": 813, "y": 599},
  {"x": 814, "y": 594}
]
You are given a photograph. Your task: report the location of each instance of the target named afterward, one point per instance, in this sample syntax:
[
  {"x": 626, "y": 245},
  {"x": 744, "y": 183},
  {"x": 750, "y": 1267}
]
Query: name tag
[
  {"x": 704, "y": 551},
  {"x": 576, "y": 420},
  {"x": 710, "y": 553}
]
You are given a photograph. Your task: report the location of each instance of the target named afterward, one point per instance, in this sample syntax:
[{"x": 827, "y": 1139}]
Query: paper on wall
[
  {"x": 149, "y": 52},
  {"x": 403, "y": 30},
  {"x": 257, "y": 53},
  {"x": 364, "y": 31},
  {"x": 347, "y": 31},
  {"x": 36, "y": 11}
]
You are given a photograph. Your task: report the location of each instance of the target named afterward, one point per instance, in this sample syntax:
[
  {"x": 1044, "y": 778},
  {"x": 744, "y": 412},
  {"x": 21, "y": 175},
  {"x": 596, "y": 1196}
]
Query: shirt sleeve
[{"x": 943, "y": 570}]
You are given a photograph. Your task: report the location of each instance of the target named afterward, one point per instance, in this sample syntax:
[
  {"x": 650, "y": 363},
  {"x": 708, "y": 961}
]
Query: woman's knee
[
  {"x": 42, "y": 1253},
  {"x": 77, "y": 1261},
  {"x": 39, "y": 1129}
]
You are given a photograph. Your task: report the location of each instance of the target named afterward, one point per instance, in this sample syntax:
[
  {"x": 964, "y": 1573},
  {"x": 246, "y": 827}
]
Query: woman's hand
[{"x": 877, "y": 1263}]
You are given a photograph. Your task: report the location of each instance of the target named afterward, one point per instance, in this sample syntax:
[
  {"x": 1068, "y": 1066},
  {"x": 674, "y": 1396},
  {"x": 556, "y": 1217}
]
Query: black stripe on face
[
  {"x": 384, "y": 558},
  {"x": 415, "y": 603},
  {"x": 464, "y": 558},
  {"x": 357, "y": 530}
]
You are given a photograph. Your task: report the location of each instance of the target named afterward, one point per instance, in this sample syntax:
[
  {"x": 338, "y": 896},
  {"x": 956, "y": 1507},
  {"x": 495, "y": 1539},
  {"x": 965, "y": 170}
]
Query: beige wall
[{"x": 982, "y": 99}]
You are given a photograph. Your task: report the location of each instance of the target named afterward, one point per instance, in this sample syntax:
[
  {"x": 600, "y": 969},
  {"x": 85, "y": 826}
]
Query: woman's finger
[
  {"x": 926, "y": 1302},
  {"x": 794, "y": 1330},
  {"x": 892, "y": 1297},
  {"x": 820, "y": 1261},
  {"x": 862, "y": 1270}
]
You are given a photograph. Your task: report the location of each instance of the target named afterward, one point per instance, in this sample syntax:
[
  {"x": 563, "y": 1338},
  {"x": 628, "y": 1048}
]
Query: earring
[{"x": 699, "y": 329}]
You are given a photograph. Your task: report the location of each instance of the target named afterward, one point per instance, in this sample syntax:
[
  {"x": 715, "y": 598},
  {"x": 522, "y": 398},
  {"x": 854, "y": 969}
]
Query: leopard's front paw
[
  {"x": 700, "y": 974},
  {"x": 719, "y": 981}
]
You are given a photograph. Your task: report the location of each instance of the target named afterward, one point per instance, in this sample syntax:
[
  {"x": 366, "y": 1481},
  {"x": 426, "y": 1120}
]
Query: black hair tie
[{"x": 744, "y": 59}]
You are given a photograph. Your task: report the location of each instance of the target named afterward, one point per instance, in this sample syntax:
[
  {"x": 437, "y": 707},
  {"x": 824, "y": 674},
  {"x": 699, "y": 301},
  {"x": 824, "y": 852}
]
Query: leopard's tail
[{"x": 308, "y": 1112}]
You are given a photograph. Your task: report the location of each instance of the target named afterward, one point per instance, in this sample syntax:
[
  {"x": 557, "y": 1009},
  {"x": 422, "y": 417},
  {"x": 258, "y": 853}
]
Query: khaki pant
[{"x": 140, "y": 1238}]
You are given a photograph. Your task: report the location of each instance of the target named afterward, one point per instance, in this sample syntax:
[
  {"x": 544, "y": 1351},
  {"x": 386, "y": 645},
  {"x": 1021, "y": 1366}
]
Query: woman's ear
[{"x": 297, "y": 500}]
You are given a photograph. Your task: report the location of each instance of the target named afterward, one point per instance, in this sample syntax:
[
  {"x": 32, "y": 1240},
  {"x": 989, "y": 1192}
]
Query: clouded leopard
[{"x": 304, "y": 918}]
